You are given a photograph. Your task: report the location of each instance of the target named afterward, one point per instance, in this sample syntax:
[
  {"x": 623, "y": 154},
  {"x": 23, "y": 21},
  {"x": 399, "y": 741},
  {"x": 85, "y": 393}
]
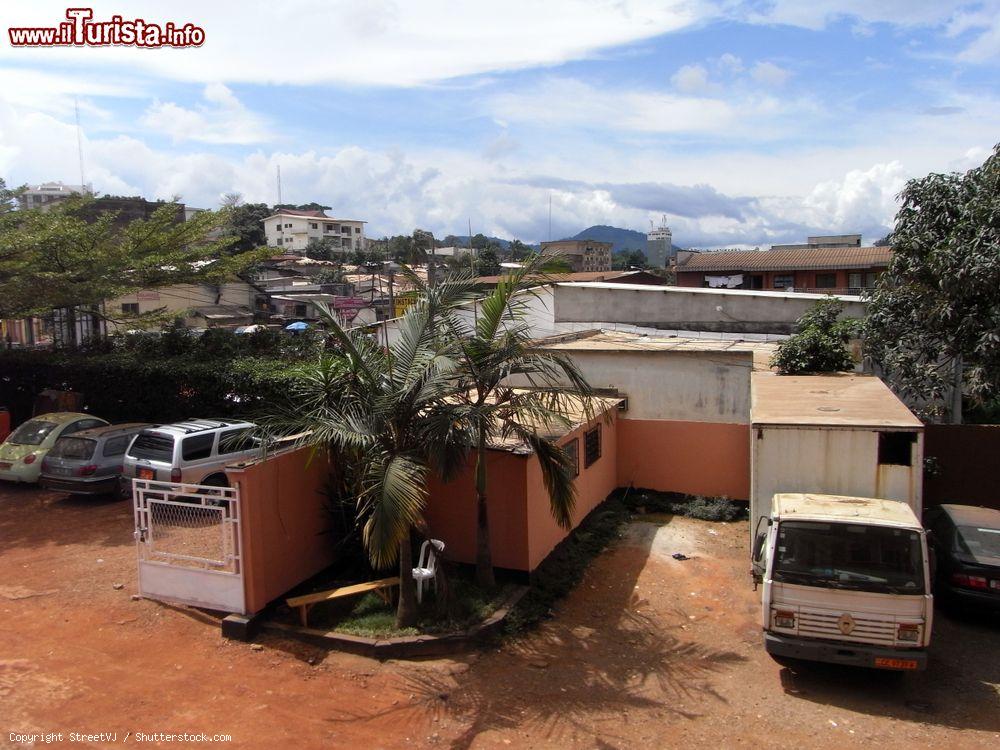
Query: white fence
[{"x": 188, "y": 544}]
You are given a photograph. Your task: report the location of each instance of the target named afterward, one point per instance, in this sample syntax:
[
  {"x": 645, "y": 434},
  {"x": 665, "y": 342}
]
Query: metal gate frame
[{"x": 214, "y": 582}]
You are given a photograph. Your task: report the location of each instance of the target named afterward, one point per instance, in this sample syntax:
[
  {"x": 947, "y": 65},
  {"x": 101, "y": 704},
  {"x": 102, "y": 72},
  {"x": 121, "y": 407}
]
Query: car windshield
[
  {"x": 849, "y": 556},
  {"x": 978, "y": 541},
  {"x": 32, "y": 432},
  {"x": 73, "y": 447}
]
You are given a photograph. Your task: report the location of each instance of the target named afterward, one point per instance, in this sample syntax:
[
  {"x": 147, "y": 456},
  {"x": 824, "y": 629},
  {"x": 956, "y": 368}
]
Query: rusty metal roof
[
  {"x": 819, "y": 258},
  {"x": 827, "y": 401},
  {"x": 844, "y": 508}
]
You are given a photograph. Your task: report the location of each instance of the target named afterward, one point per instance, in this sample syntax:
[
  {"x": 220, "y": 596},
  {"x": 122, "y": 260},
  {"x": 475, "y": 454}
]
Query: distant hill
[{"x": 621, "y": 239}]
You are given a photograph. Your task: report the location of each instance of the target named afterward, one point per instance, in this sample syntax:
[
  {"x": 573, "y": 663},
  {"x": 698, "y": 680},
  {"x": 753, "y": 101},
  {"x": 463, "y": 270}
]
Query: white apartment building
[
  {"x": 39, "y": 196},
  {"x": 291, "y": 231}
]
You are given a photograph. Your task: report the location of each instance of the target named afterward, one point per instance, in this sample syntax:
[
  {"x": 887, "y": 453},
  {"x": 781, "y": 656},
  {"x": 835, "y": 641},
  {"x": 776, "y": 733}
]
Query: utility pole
[{"x": 79, "y": 143}]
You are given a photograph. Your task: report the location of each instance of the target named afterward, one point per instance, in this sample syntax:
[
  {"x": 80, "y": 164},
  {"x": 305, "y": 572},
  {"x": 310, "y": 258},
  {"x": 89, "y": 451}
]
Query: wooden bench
[{"x": 381, "y": 587}]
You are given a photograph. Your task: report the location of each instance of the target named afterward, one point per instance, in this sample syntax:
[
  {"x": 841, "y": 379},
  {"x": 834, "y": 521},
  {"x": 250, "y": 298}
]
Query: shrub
[
  {"x": 675, "y": 503},
  {"x": 820, "y": 345}
]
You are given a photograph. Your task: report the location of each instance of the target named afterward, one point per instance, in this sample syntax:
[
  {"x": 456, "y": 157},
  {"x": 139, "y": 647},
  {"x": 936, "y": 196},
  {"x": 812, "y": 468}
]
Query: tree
[
  {"x": 72, "y": 255},
  {"x": 245, "y": 222},
  {"x": 624, "y": 260},
  {"x": 383, "y": 413},
  {"x": 519, "y": 251},
  {"x": 320, "y": 248},
  {"x": 304, "y": 207},
  {"x": 493, "y": 351},
  {"x": 933, "y": 323},
  {"x": 488, "y": 264},
  {"x": 820, "y": 343},
  {"x": 479, "y": 242}
]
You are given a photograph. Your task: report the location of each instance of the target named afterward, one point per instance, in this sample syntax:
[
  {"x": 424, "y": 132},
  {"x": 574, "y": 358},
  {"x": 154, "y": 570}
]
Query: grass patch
[
  {"x": 564, "y": 567},
  {"x": 675, "y": 503}
]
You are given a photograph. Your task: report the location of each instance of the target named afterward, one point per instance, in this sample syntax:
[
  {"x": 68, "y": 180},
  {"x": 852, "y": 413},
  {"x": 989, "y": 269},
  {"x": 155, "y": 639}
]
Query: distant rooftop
[
  {"x": 827, "y": 400},
  {"x": 778, "y": 259}
]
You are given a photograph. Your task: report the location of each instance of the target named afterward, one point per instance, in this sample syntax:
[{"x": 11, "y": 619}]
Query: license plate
[
  {"x": 886, "y": 663},
  {"x": 61, "y": 471},
  {"x": 146, "y": 473},
  {"x": 4, "y": 465}
]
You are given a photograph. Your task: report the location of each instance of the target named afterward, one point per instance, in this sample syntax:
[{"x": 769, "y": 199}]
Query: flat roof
[
  {"x": 842, "y": 400},
  {"x": 844, "y": 508},
  {"x": 972, "y": 515},
  {"x": 705, "y": 290},
  {"x": 618, "y": 341}
]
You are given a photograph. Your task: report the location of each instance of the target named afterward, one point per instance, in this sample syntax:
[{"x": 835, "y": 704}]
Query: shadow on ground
[{"x": 599, "y": 658}]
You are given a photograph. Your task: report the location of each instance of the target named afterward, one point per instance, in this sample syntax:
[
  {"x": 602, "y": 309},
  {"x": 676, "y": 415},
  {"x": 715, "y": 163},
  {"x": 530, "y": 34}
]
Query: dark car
[
  {"x": 90, "y": 462},
  {"x": 966, "y": 544}
]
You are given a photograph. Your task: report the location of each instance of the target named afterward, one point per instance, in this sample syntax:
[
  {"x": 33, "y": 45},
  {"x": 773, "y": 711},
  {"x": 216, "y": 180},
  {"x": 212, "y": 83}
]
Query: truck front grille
[{"x": 825, "y": 624}]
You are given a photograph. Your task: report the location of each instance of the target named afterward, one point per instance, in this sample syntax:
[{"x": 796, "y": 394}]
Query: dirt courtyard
[{"x": 647, "y": 652}]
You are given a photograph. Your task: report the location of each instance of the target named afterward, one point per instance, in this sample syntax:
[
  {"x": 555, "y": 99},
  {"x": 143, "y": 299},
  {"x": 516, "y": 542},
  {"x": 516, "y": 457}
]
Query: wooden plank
[{"x": 357, "y": 588}]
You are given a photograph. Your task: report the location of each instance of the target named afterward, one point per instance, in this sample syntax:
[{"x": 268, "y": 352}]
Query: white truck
[{"x": 845, "y": 580}]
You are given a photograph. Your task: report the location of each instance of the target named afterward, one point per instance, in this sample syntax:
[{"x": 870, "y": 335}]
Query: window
[
  {"x": 234, "y": 441},
  {"x": 895, "y": 448},
  {"x": 197, "y": 446},
  {"x": 116, "y": 446},
  {"x": 79, "y": 449},
  {"x": 591, "y": 446},
  {"x": 83, "y": 424},
  {"x": 854, "y": 280},
  {"x": 130, "y": 308},
  {"x": 826, "y": 280},
  {"x": 281, "y": 241},
  {"x": 572, "y": 449},
  {"x": 870, "y": 280},
  {"x": 313, "y": 226},
  {"x": 357, "y": 230},
  {"x": 153, "y": 447},
  {"x": 32, "y": 432},
  {"x": 328, "y": 227},
  {"x": 784, "y": 282},
  {"x": 345, "y": 230}
]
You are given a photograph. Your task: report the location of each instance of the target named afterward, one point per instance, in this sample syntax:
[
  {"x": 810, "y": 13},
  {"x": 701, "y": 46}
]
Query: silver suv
[
  {"x": 90, "y": 462},
  {"x": 193, "y": 452}
]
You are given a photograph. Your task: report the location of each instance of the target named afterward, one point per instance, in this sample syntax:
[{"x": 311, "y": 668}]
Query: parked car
[
  {"x": 90, "y": 462},
  {"x": 966, "y": 543},
  {"x": 22, "y": 452},
  {"x": 191, "y": 452}
]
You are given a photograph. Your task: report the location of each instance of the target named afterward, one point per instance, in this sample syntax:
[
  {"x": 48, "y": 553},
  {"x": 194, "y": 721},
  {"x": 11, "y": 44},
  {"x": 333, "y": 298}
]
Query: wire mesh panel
[{"x": 188, "y": 525}]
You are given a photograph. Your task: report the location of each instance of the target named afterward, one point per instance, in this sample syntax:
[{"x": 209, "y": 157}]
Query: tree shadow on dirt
[
  {"x": 31, "y": 516},
  {"x": 601, "y": 657},
  {"x": 959, "y": 689}
]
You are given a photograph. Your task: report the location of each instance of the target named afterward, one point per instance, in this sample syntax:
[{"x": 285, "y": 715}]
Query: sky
[{"x": 745, "y": 123}]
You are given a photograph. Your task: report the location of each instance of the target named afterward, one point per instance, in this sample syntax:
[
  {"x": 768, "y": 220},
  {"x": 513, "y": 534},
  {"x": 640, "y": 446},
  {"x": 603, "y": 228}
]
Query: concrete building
[
  {"x": 660, "y": 246},
  {"x": 823, "y": 240},
  {"x": 688, "y": 309},
  {"x": 832, "y": 434},
  {"x": 828, "y": 270},
  {"x": 200, "y": 305},
  {"x": 582, "y": 255},
  {"x": 291, "y": 230},
  {"x": 40, "y": 196}
]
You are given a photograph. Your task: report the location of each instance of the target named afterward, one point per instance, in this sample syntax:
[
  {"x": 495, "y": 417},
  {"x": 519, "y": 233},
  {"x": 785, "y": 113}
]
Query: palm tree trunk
[
  {"x": 484, "y": 556},
  {"x": 406, "y": 610}
]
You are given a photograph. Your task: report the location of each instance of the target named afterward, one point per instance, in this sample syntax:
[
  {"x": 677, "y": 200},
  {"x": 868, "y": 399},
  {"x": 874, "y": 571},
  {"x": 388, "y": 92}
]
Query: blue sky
[{"x": 744, "y": 123}]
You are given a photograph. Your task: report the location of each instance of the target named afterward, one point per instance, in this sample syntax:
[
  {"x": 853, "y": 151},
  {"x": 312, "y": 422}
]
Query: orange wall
[
  {"x": 593, "y": 485},
  {"x": 697, "y": 458},
  {"x": 451, "y": 511},
  {"x": 522, "y": 530},
  {"x": 283, "y": 516}
]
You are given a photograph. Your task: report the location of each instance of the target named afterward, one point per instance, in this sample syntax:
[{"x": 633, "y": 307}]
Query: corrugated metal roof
[
  {"x": 819, "y": 258},
  {"x": 826, "y": 401}
]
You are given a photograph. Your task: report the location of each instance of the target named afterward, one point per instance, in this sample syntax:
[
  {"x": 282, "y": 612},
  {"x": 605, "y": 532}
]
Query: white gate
[{"x": 188, "y": 544}]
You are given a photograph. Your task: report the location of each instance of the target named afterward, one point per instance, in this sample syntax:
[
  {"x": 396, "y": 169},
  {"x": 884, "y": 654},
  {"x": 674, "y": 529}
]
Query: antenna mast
[
  {"x": 79, "y": 143},
  {"x": 279, "y": 185}
]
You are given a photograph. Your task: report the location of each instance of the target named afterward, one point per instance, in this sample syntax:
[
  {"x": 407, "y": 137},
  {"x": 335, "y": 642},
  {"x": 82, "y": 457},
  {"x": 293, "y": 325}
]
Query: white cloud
[
  {"x": 221, "y": 119},
  {"x": 379, "y": 43},
  {"x": 690, "y": 79},
  {"x": 769, "y": 74},
  {"x": 730, "y": 63}
]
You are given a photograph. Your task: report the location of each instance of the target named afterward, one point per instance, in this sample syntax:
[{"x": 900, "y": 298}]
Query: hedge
[{"x": 125, "y": 386}]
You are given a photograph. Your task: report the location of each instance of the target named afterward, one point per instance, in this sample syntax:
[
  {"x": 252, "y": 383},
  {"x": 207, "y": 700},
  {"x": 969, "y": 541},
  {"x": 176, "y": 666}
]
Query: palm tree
[
  {"x": 510, "y": 389},
  {"x": 380, "y": 410}
]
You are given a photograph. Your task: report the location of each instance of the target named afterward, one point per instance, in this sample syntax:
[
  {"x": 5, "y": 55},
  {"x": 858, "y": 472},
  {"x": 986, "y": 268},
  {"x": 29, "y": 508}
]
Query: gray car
[{"x": 90, "y": 462}]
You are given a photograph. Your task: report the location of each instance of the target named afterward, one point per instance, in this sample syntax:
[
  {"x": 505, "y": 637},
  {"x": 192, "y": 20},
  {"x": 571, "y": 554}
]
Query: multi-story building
[
  {"x": 39, "y": 196},
  {"x": 815, "y": 267},
  {"x": 660, "y": 246},
  {"x": 291, "y": 230},
  {"x": 582, "y": 255}
]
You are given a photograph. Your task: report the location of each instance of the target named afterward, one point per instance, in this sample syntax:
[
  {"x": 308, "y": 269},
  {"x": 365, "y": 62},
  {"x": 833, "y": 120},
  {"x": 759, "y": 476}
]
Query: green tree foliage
[
  {"x": 488, "y": 262},
  {"x": 820, "y": 343},
  {"x": 321, "y": 249},
  {"x": 623, "y": 260},
  {"x": 245, "y": 222},
  {"x": 519, "y": 251},
  {"x": 69, "y": 255},
  {"x": 934, "y": 315},
  {"x": 304, "y": 207}
]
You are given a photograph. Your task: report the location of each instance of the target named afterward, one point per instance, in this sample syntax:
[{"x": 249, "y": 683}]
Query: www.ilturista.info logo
[{"x": 81, "y": 31}]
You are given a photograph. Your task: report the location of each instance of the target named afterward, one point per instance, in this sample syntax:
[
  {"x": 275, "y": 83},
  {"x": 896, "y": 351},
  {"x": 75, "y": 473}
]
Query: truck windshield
[{"x": 849, "y": 556}]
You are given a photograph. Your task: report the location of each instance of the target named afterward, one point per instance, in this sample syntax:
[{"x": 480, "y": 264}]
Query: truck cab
[{"x": 845, "y": 580}]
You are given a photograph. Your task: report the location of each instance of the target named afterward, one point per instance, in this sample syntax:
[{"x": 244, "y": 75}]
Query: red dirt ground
[{"x": 647, "y": 652}]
